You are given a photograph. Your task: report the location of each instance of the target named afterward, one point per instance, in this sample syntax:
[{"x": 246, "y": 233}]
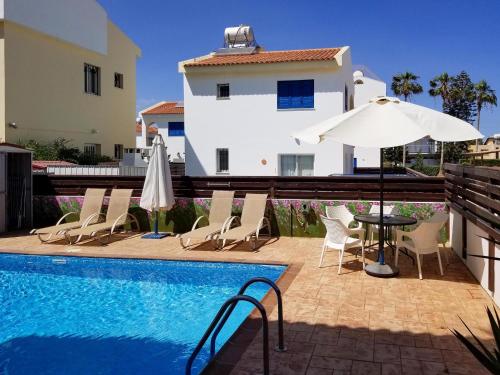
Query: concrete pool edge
[{"x": 233, "y": 349}]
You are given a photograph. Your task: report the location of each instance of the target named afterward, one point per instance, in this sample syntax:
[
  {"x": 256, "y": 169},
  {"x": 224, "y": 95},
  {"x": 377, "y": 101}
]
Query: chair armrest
[
  {"x": 400, "y": 234},
  {"x": 263, "y": 222},
  {"x": 127, "y": 215},
  {"x": 66, "y": 215},
  {"x": 90, "y": 218},
  {"x": 198, "y": 221},
  {"x": 229, "y": 222}
]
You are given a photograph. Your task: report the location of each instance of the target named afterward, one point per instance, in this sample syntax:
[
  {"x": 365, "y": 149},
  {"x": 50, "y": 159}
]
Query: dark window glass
[
  {"x": 92, "y": 79},
  {"x": 119, "y": 80},
  {"x": 223, "y": 90},
  {"x": 222, "y": 160},
  {"x": 118, "y": 152}
]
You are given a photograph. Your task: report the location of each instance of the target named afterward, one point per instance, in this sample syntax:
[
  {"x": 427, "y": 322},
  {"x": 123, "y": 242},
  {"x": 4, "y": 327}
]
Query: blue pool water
[{"x": 69, "y": 315}]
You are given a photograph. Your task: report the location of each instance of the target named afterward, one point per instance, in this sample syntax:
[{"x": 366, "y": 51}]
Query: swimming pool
[{"x": 73, "y": 315}]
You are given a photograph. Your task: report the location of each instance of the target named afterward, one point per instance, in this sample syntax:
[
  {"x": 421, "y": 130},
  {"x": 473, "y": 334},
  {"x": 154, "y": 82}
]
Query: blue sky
[{"x": 427, "y": 37}]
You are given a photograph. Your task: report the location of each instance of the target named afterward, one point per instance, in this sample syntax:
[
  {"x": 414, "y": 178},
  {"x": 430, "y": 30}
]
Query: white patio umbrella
[
  {"x": 157, "y": 193},
  {"x": 388, "y": 122}
]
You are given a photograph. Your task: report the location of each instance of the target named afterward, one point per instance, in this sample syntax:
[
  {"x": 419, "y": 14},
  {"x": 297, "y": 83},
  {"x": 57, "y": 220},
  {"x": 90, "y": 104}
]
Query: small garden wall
[{"x": 289, "y": 217}]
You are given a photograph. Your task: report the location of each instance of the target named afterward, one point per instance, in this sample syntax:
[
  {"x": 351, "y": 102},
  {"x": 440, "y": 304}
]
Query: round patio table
[{"x": 388, "y": 221}]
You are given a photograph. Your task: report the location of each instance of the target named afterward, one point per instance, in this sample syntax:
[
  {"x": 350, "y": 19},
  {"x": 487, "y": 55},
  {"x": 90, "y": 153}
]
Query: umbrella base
[
  {"x": 381, "y": 270},
  {"x": 155, "y": 236}
]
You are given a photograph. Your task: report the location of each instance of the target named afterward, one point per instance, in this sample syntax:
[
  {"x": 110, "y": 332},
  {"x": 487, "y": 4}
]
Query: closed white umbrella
[
  {"x": 388, "y": 122},
  {"x": 157, "y": 193}
]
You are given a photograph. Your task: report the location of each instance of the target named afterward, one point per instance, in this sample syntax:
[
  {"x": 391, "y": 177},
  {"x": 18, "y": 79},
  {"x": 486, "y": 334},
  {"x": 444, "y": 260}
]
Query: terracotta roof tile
[
  {"x": 166, "y": 108},
  {"x": 269, "y": 57},
  {"x": 151, "y": 129},
  {"x": 43, "y": 164}
]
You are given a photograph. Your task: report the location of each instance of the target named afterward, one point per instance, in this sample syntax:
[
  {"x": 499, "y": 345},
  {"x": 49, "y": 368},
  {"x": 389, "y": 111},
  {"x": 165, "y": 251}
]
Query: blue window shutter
[
  {"x": 175, "y": 129},
  {"x": 308, "y": 93},
  {"x": 284, "y": 94},
  {"x": 296, "y": 94},
  {"x": 297, "y": 90}
]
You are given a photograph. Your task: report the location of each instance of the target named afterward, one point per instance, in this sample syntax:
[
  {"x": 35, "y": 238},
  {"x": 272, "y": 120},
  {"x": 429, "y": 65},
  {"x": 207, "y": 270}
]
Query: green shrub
[
  {"x": 59, "y": 149},
  {"x": 429, "y": 170},
  {"x": 484, "y": 162}
]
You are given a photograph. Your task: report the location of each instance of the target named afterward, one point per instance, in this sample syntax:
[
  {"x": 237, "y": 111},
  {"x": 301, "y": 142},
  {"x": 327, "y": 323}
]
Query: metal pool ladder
[{"x": 226, "y": 310}]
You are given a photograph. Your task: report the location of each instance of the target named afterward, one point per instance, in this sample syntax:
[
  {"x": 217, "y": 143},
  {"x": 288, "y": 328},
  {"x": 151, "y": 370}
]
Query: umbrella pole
[
  {"x": 156, "y": 222},
  {"x": 155, "y": 235},
  {"x": 380, "y": 269},
  {"x": 381, "y": 257}
]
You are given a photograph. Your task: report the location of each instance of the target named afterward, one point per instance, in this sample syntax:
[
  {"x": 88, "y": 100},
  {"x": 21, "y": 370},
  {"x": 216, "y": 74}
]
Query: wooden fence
[
  {"x": 416, "y": 189},
  {"x": 474, "y": 192}
]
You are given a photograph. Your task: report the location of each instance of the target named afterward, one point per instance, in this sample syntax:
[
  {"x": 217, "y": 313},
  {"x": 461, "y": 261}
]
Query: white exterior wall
[
  {"x": 252, "y": 128},
  {"x": 475, "y": 245},
  {"x": 80, "y": 22},
  {"x": 139, "y": 141},
  {"x": 175, "y": 145},
  {"x": 367, "y": 156}
]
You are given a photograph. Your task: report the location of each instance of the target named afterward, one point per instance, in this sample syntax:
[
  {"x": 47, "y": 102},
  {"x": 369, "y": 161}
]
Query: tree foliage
[
  {"x": 458, "y": 95},
  {"x": 484, "y": 95},
  {"x": 394, "y": 155},
  {"x": 60, "y": 149},
  {"x": 461, "y": 101},
  {"x": 406, "y": 85}
]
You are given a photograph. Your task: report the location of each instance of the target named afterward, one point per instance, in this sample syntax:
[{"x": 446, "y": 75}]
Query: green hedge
[{"x": 484, "y": 162}]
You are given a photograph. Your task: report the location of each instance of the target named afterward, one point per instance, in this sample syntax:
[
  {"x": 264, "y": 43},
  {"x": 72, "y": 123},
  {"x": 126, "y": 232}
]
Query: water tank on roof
[{"x": 239, "y": 37}]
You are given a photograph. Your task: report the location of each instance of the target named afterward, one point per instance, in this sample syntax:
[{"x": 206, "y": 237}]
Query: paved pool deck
[{"x": 350, "y": 323}]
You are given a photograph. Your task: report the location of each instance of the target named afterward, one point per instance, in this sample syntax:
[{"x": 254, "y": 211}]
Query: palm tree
[
  {"x": 406, "y": 85},
  {"x": 440, "y": 86},
  {"x": 484, "y": 96}
]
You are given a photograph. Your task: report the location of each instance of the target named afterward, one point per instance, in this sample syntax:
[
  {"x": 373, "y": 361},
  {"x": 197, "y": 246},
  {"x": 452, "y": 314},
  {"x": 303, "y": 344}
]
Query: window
[
  {"x": 92, "y": 79},
  {"x": 296, "y": 165},
  {"x": 296, "y": 94},
  {"x": 222, "y": 155},
  {"x": 92, "y": 149},
  {"x": 119, "y": 80},
  {"x": 223, "y": 91},
  {"x": 176, "y": 129},
  {"x": 149, "y": 141},
  {"x": 118, "y": 152}
]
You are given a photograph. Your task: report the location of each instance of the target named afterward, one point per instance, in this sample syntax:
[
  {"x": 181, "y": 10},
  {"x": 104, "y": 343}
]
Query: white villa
[
  {"x": 166, "y": 119},
  {"x": 242, "y": 103}
]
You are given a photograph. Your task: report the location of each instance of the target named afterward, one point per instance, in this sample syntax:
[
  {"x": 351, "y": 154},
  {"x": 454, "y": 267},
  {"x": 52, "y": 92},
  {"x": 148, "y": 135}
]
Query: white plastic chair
[
  {"x": 422, "y": 240},
  {"x": 441, "y": 217},
  {"x": 375, "y": 209},
  {"x": 343, "y": 214},
  {"x": 338, "y": 237}
]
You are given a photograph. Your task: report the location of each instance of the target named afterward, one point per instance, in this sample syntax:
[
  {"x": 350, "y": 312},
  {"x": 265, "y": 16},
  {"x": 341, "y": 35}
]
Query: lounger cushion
[
  {"x": 238, "y": 233},
  {"x": 94, "y": 228},
  {"x": 58, "y": 228}
]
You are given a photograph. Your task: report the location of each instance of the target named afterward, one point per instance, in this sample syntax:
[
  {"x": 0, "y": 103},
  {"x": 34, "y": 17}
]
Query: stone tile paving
[{"x": 335, "y": 324}]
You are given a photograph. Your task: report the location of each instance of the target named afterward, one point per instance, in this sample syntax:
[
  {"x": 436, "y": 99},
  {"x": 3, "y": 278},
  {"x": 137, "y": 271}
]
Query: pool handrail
[
  {"x": 281, "y": 341},
  {"x": 232, "y": 302}
]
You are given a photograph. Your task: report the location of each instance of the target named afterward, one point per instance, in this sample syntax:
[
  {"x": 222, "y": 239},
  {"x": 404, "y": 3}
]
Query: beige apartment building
[{"x": 66, "y": 71}]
